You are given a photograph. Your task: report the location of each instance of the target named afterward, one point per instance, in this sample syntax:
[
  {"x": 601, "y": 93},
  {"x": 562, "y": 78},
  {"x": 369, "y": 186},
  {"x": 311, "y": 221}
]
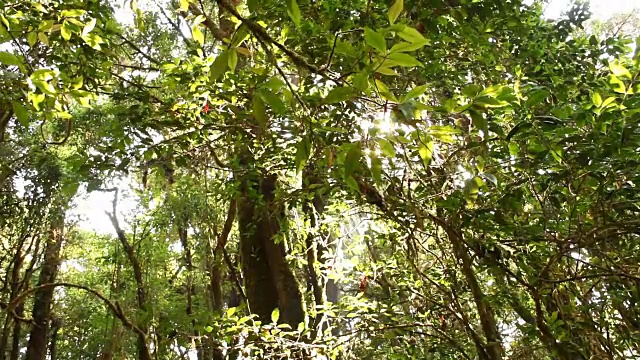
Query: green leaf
[
  {"x": 352, "y": 159},
  {"x": 619, "y": 70},
  {"x": 233, "y": 59},
  {"x": 406, "y": 46},
  {"x": 339, "y": 94},
  {"x": 608, "y": 101},
  {"x": 88, "y": 27},
  {"x": 471, "y": 90},
  {"x": 21, "y": 113},
  {"x": 386, "y": 71},
  {"x": 403, "y": 59},
  {"x": 259, "y": 110},
  {"x": 198, "y": 36},
  {"x": 415, "y": 92},
  {"x": 76, "y": 83},
  {"x": 596, "y": 98},
  {"x": 43, "y": 74},
  {"x": 8, "y": 58},
  {"x": 36, "y": 100},
  {"x": 93, "y": 40},
  {"x": 352, "y": 183},
  {"x": 274, "y": 101},
  {"x": 65, "y": 31},
  {"x": 536, "y": 97},
  {"x": 479, "y": 121},
  {"x": 242, "y": 33},
  {"x": 219, "y": 66},
  {"x": 395, "y": 10},
  {"x": 443, "y": 133},
  {"x": 72, "y": 13},
  {"x": 294, "y": 12},
  {"x": 43, "y": 38},
  {"x": 383, "y": 90},
  {"x": 231, "y": 311},
  {"x": 44, "y": 86},
  {"x": 616, "y": 84},
  {"x": 32, "y": 38},
  {"x": 184, "y": 5},
  {"x": 387, "y": 148},
  {"x": 425, "y": 150},
  {"x": 361, "y": 81},
  {"x": 471, "y": 189},
  {"x": 303, "y": 150},
  {"x": 275, "y": 315},
  {"x": 492, "y": 178},
  {"x": 412, "y": 35},
  {"x": 376, "y": 169},
  {"x": 375, "y": 40}
]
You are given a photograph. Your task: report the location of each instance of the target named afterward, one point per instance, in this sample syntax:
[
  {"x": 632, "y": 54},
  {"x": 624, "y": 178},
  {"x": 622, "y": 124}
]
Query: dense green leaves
[{"x": 357, "y": 180}]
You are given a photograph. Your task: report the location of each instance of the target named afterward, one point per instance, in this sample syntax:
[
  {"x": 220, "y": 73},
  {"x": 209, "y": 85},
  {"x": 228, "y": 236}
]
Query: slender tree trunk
[
  {"x": 53, "y": 343},
  {"x": 37, "y": 345},
  {"x": 16, "y": 335},
  {"x": 493, "y": 347},
  {"x": 15, "y": 289},
  {"x": 144, "y": 352}
]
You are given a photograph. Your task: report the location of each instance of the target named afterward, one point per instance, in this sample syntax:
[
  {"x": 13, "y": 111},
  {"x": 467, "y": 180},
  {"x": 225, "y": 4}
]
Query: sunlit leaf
[
  {"x": 412, "y": 35},
  {"x": 616, "y": 84},
  {"x": 415, "y": 92},
  {"x": 303, "y": 150},
  {"x": 387, "y": 148},
  {"x": 619, "y": 70},
  {"x": 403, "y": 59},
  {"x": 233, "y": 59},
  {"x": 352, "y": 159},
  {"x": 198, "y": 36},
  {"x": 72, "y": 13},
  {"x": 395, "y": 10},
  {"x": 65, "y": 31},
  {"x": 596, "y": 98},
  {"x": 425, "y": 150},
  {"x": 89, "y": 26},
  {"x": 8, "y": 58},
  {"x": 259, "y": 110},
  {"x": 339, "y": 94},
  {"x": 219, "y": 66},
  {"x": 407, "y": 46},
  {"x": 294, "y": 11},
  {"x": 375, "y": 40},
  {"x": 536, "y": 97},
  {"x": 21, "y": 112}
]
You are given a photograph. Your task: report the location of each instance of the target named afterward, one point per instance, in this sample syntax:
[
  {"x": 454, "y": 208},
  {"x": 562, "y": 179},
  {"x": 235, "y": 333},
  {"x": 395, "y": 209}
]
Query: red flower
[
  {"x": 206, "y": 107},
  {"x": 363, "y": 283}
]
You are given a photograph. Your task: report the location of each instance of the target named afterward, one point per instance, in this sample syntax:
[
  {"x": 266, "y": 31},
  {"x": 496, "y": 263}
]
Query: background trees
[{"x": 418, "y": 179}]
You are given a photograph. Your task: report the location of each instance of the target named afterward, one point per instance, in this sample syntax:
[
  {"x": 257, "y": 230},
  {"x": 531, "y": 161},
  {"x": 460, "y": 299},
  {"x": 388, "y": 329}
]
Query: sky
[
  {"x": 601, "y": 9},
  {"x": 91, "y": 208}
]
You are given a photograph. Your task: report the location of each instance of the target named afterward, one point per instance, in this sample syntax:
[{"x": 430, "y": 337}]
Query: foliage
[{"x": 328, "y": 179}]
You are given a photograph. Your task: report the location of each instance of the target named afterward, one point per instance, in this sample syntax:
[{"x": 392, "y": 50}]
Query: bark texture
[
  {"x": 37, "y": 345},
  {"x": 269, "y": 281}
]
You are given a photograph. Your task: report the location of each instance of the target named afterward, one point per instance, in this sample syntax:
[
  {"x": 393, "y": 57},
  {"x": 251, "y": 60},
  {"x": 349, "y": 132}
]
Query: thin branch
[{"x": 114, "y": 307}]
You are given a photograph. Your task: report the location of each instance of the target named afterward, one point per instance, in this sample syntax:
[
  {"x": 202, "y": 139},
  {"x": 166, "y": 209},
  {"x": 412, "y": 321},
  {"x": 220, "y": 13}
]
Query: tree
[{"x": 354, "y": 179}]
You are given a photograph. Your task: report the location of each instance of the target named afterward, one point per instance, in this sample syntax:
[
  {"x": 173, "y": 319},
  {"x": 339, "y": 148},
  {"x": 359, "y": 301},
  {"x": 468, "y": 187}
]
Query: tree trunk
[
  {"x": 269, "y": 281},
  {"x": 37, "y": 345},
  {"x": 16, "y": 335},
  {"x": 493, "y": 347},
  {"x": 141, "y": 295},
  {"x": 55, "y": 327}
]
